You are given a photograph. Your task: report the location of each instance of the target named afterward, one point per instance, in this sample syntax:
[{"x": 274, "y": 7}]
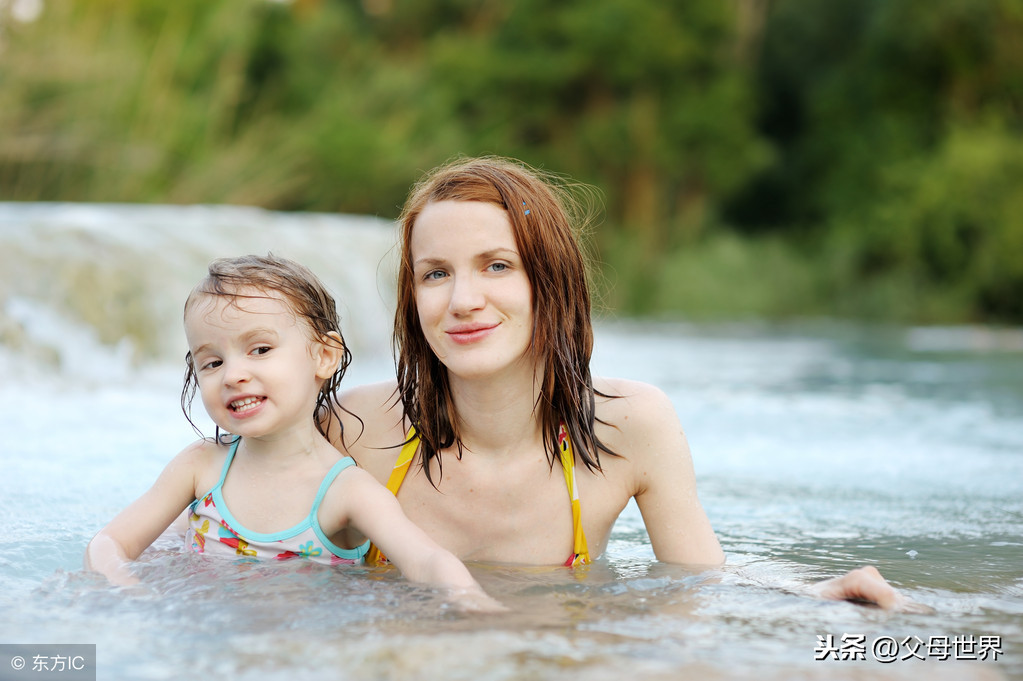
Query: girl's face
[
  {"x": 473, "y": 296},
  {"x": 258, "y": 368}
]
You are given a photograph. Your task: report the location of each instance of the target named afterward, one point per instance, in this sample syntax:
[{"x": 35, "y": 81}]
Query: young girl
[{"x": 266, "y": 355}]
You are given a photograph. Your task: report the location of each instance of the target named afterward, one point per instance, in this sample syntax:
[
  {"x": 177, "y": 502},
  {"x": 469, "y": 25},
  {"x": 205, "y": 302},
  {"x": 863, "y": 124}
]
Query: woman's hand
[{"x": 866, "y": 585}]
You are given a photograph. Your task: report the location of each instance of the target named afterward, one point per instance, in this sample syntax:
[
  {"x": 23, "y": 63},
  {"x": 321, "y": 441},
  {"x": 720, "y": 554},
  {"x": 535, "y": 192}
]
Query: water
[{"x": 818, "y": 448}]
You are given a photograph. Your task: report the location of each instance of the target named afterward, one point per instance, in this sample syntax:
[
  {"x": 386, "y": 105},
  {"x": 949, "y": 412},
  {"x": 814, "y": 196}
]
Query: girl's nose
[{"x": 235, "y": 371}]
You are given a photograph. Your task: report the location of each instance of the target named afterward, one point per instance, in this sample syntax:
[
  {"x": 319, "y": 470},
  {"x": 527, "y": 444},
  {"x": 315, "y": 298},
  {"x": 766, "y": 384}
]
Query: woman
[{"x": 512, "y": 452}]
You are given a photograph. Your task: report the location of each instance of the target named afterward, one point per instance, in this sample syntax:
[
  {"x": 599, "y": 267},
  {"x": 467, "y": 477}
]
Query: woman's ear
[{"x": 328, "y": 353}]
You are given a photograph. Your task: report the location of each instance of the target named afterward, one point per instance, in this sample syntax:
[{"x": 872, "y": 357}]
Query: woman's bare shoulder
[
  {"x": 629, "y": 399},
  {"x": 632, "y": 414},
  {"x": 371, "y": 397},
  {"x": 373, "y": 421}
]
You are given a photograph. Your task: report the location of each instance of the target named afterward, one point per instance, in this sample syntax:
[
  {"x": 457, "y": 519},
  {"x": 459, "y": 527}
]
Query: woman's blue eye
[
  {"x": 435, "y": 274},
  {"x": 499, "y": 266}
]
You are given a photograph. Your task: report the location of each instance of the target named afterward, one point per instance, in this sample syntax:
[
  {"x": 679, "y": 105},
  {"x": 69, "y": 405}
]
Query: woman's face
[{"x": 472, "y": 293}]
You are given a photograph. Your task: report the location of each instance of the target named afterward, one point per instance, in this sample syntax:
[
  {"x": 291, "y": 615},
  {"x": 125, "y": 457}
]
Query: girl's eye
[
  {"x": 261, "y": 350},
  {"x": 212, "y": 364}
]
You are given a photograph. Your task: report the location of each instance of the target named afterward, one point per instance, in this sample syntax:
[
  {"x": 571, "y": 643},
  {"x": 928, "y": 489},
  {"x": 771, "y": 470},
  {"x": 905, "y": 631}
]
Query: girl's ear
[{"x": 329, "y": 351}]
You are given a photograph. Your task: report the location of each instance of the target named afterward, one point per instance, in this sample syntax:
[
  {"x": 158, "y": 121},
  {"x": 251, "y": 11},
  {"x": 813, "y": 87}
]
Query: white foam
[{"x": 124, "y": 271}]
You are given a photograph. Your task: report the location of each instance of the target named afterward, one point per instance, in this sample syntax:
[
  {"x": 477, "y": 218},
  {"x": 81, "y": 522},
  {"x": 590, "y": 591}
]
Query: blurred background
[{"x": 754, "y": 158}]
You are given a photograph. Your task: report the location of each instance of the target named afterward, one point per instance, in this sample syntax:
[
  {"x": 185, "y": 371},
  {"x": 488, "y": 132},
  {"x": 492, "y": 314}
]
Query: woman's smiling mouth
[{"x": 470, "y": 333}]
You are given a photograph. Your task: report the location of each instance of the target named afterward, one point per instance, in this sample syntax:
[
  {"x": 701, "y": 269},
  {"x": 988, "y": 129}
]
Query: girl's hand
[
  {"x": 134, "y": 529},
  {"x": 474, "y": 600},
  {"x": 106, "y": 556}
]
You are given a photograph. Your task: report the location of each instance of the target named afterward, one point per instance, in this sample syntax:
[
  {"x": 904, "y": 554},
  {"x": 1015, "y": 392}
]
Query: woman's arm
[
  {"x": 135, "y": 528},
  {"x": 648, "y": 435},
  {"x": 665, "y": 490}
]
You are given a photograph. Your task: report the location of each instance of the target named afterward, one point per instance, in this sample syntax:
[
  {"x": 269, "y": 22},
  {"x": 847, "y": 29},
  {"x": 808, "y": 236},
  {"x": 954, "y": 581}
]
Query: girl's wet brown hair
[
  {"x": 308, "y": 299},
  {"x": 541, "y": 210}
]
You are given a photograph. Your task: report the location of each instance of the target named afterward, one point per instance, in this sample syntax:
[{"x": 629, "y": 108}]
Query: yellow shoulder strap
[
  {"x": 580, "y": 552},
  {"x": 401, "y": 466}
]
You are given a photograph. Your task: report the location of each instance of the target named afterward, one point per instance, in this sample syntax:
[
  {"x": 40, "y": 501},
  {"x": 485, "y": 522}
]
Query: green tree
[
  {"x": 897, "y": 128},
  {"x": 644, "y": 99}
]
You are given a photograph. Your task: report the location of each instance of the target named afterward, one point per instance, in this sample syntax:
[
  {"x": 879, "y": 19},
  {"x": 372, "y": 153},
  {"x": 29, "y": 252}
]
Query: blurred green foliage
[{"x": 756, "y": 157}]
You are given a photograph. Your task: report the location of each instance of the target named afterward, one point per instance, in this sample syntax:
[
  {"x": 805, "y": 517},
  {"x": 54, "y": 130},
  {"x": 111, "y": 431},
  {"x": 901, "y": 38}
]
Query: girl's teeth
[{"x": 247, "y": 403}]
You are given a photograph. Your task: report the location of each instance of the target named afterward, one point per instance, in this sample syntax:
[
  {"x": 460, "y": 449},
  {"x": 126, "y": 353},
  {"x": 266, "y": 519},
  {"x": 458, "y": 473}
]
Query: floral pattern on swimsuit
[{"x": 304, "y": 540}]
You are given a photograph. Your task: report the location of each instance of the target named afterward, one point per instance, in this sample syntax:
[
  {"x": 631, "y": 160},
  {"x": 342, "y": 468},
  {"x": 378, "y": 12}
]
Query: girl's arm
[
  {"x": 375, "y": 512},
  {"x": 135, "y": 528}
]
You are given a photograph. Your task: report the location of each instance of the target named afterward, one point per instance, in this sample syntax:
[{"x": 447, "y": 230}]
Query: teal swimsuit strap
[
  {"x": 314, "y": 522},
  {"x": 311, "y": 521},
  {"x": 328, "y": 480},
  {"x": 227, "y": 460}
]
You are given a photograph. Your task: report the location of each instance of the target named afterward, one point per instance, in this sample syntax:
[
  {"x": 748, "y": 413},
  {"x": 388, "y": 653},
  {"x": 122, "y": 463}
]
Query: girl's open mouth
[{"x": 245, "y": 404}]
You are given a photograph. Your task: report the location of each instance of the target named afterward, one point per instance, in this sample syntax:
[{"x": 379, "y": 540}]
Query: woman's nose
[{"x": 466, "y": 295}]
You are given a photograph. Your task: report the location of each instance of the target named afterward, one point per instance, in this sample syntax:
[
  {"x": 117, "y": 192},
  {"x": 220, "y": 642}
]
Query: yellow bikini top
[{"x": 580, "y": 552}]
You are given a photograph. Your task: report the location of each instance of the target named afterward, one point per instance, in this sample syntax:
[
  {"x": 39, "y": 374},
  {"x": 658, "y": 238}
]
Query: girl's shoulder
[
  {"x": 204, "y": 459},
  {"x": 202, "y": 452},
  {"x": 208, "y": 448}
]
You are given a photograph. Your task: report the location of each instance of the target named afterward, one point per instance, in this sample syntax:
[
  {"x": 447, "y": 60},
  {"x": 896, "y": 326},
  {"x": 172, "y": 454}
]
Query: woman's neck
[{"x": 497, "y": 415}]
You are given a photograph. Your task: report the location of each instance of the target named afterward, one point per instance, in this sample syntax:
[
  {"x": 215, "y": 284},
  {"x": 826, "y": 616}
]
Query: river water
[{"x": 818, "y": 447}]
